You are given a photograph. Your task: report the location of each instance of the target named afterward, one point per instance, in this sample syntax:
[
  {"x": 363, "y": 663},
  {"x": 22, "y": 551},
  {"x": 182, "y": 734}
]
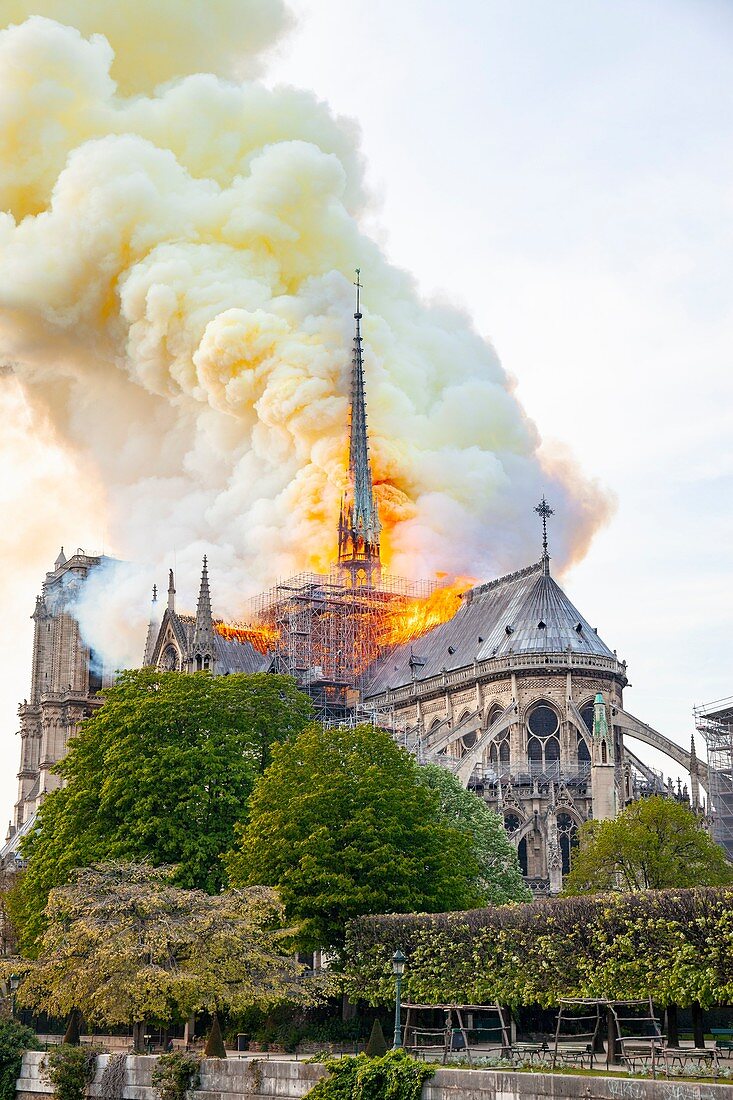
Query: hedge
[{"x": 673, "y": 945}]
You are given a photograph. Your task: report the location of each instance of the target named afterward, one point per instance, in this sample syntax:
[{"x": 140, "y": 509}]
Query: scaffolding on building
[
  {"x": 715, "y": 722},
  {"x": 327, "y": 634}
]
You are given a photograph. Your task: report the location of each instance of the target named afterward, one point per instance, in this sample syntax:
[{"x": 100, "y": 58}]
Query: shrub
[
  {"x": 14, "y": 1039},
  {"x": 215, "y": 1044},
  {"x": 605, "y": 945},
  {"x": 395, "y": 1076},
  {"x": 70, "y": 1069},
  {"x": 175, "y": 1074},
  {"x": 377, "y": 1045}
]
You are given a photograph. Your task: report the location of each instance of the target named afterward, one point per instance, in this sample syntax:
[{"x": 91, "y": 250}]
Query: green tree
[
  {"x": 162, "y": 772},
  {"x": 341, "y": 823},
  {"x": 124, "y": 945},
  {"x": 653, "y": 844},
  {"x": 500, "y": 877}
]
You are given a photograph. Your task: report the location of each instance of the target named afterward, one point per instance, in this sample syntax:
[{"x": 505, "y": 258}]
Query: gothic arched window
[
  {"x": 534, "y": 755},
  {"x": 522, "y": 855},
  {"x": 567, "y": 830},
  {"x": 169, "y": 660}
]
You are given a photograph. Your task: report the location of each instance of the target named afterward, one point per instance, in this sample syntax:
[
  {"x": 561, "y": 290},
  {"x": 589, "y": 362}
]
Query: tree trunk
[
  {"x": 671, "y": 1026},
  {"x": 612, "y": 1047},
  {"x": 698, "y": 1028},
  {"x": 138, "y": 1037}
]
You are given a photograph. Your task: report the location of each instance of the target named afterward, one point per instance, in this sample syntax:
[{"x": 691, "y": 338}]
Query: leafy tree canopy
[
  {"x": 342, "y": 824},
  {"x": 162, "y": 772},
  {"x": 500, "y": 877},
  {"x": 124, "y": 945},
  {"x": 653, "y": 844}
]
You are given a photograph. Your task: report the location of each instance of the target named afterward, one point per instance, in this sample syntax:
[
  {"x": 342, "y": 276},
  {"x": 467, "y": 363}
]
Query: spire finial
[
  {"x": 544, "y": 510},
  {"x": 358, "y": 285},
  {"x": 155, "y": 593}
]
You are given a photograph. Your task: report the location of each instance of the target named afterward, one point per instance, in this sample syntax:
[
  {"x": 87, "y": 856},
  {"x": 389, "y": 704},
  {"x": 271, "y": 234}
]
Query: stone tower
[{"x": 65, "y": 679}]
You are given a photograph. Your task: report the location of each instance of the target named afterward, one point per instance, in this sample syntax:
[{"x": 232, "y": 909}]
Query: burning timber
[{"x": 328, "y": 633}]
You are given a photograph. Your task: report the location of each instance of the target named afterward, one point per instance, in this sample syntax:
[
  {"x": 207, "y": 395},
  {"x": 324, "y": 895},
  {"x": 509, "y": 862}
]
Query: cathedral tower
[{"x": 359, "y": 527}]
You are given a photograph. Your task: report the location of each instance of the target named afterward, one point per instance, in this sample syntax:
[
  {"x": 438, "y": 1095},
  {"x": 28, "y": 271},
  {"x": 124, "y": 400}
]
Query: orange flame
[
  {"x": 419, "y": 616},
  {"x": 262, "y": 638}
]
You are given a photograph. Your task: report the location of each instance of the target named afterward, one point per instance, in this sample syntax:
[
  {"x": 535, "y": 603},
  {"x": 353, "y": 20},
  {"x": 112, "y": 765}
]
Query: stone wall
[{"x": 259, "y": 1079}]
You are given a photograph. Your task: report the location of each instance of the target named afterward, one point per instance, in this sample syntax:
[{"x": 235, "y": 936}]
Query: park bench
[
  {"x": 690, "y": 1058},
  {"x": 723, "y": 1039},
  {"x": 574, "y": 1054},
  {"x": 642, "y": 1052}
]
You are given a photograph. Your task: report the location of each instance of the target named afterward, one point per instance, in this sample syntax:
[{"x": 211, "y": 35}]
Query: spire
[
  {"x": 359, "y": 526},
  {"x": 171, "y": 592},
  {"x": 543, "y": 509},
  {"x": 153, "y": 629},
  {"x": 60, "y": 560},
  {"x": 202, "y": 656},
  {"x": 694, "y": 776},
  {"x": 203, "y": 607}
]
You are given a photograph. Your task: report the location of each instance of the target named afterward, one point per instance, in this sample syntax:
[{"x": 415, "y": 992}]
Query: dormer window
[
  {"x": 542, "y": 625},
  {"x": 509, "y": 629}
]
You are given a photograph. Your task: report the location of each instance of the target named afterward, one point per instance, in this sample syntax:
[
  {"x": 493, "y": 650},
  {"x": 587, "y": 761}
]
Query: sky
[{"x": 564, "y": 173}]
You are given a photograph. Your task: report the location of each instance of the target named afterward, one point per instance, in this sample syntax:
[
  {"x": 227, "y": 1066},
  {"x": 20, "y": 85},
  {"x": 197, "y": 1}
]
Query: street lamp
[{"x": 398, "y": 969}]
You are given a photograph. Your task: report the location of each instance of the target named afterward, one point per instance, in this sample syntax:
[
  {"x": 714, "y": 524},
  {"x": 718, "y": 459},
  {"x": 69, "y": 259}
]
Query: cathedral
[{"x": 516, "y": 693}]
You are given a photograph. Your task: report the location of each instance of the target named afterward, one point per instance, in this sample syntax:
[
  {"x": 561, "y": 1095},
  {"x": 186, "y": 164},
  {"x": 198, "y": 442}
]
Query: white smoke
[{"x": 175, "y": 293}]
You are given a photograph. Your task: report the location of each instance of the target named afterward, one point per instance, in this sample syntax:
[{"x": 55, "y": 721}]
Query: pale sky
[{"x": 564, "y": 172}]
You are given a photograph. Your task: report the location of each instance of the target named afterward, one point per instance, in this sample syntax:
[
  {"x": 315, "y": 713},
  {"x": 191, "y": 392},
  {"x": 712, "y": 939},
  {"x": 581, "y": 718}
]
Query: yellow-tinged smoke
[{"x": 175, "y": 294}]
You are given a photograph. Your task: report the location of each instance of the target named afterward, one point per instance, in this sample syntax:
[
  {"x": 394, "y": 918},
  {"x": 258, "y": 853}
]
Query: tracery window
[
  {"x": 567, "y": 830},
  {"x": 543, "y": 745},
  {"x": 169, "y": 661},
  {"x": 512, "y": 822}
]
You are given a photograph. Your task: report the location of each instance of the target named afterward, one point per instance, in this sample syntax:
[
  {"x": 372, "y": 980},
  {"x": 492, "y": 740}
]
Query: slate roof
[
  {"x": 231, "y": 654},
  {"x": 524, "y": 612}
]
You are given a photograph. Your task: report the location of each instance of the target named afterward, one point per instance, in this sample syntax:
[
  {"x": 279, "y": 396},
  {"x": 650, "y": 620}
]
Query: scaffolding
[
  {"x": 715, "y": 722},
  {"x": 328, "y": 634}
]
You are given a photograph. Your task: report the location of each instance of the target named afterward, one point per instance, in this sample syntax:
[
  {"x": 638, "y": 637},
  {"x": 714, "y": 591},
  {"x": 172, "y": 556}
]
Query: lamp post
[
  {"x": 398, "y": 969},
  {"x": 14, "y": 983}
]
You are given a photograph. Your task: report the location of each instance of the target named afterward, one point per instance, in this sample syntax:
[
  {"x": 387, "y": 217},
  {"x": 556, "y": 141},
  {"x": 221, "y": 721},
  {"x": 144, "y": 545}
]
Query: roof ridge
[{"x": 481, "y": 588}]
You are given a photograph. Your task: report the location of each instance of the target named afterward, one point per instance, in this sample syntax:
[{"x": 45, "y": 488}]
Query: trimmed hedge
[{"x": 673, "y": 945}]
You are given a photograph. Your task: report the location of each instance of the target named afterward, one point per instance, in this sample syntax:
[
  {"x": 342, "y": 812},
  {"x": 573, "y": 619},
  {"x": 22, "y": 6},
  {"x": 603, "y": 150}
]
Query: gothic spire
[
  {"x": 171, "y": 592},
  {"x": 359, "y": 526},
  {"x": 153, "y": 629},
  {"x": 201, "y": 653}
]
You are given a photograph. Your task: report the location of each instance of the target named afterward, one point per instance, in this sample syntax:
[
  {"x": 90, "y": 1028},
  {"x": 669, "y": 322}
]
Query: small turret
[
  {"x": 153, "y": 628},
  {"x": 202, "y": 656},
  {"x": 171, "y": 592},
  {"x": 603, "y": 770},
  {"x": 694, "y": 776},
  {"x": 60, "y": 560}
]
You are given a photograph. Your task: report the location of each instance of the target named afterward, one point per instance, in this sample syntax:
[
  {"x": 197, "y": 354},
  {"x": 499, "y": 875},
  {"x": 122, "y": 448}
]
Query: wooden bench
[
  {"x": 682, "y": 1056},
  {"x": 723, "y": 1039},
  {"x": 642, "y": 1051},
  {"x": 574, "y": 1054}
]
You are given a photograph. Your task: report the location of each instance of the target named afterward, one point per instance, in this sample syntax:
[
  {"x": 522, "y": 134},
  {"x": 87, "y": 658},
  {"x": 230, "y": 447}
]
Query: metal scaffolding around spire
[{"x": 359, "y": 526}]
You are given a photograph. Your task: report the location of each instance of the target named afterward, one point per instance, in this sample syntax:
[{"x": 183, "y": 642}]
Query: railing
[
  {"x": 572, "y": 775},
  {"x": 495, "y": 666}
]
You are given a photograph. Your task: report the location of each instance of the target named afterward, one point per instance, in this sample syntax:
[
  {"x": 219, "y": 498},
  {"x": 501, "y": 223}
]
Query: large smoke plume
[{"x": 176, "y": 261}]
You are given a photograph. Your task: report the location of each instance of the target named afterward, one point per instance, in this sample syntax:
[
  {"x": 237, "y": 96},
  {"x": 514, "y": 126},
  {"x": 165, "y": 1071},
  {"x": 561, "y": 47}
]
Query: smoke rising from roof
[{"x": 175, "y": 294}]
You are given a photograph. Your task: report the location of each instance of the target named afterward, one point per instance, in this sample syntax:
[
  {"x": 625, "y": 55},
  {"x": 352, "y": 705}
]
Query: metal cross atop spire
[
  {"x": 543, "y": 509},
  {"x": 359, "y": 526}
]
